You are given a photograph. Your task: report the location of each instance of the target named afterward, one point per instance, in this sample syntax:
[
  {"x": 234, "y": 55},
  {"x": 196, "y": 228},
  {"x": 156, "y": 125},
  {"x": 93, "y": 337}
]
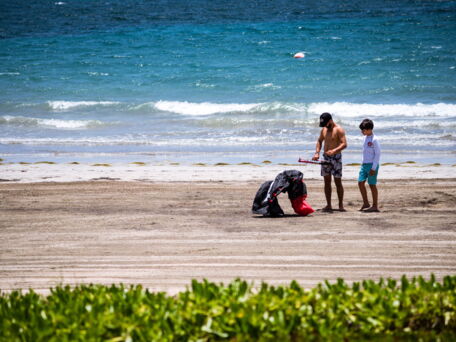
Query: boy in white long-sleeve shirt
[{"x": 369, "y": 167}]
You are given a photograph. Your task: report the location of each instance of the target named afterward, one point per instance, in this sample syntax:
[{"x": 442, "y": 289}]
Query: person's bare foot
[
  {"x": 342, "y": 209},
  {"x": 327, "y": 209},
  {"x": 372, "y": 209},
  {"x": 365, "y": 206}
]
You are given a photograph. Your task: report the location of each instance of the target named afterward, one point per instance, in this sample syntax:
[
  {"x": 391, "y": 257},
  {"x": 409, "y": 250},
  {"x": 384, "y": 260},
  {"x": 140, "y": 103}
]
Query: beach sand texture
[{"x": 162, "y": 235}]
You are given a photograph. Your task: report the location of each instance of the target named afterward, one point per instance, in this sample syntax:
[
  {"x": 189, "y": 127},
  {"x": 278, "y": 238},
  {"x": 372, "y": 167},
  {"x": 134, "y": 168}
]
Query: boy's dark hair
[{"x": 366, "y": 124}]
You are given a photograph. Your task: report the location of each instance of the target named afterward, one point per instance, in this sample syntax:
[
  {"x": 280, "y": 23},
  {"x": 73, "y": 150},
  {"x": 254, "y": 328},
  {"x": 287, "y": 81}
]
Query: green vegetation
[
  {"x": 45, "y": 162},
  {"x": 384, "y": 310},
  {"x": 102, "y": 164},
  {"x": 139, "y": 163},
  {"x": 221, "y": 164}
]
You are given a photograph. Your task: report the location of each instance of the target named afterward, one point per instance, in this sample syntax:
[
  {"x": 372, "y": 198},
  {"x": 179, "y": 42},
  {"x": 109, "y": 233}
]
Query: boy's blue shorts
[{"x": 364, "y": 174}]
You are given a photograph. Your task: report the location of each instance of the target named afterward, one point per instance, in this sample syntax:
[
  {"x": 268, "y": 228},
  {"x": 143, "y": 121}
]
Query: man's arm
[
  {"x": 342, "y": 145},
  {"x": 318, "y": 147}
]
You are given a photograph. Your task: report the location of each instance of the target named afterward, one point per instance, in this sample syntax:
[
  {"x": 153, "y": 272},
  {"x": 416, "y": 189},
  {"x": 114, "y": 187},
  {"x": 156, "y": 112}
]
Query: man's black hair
[{"x": 366, "y": 124}]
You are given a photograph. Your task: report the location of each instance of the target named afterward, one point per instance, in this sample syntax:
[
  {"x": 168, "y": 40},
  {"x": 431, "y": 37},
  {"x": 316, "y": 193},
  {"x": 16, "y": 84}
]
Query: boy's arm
[
  {"x": 318, "y": 147},
  {"x": 377, "y": 153}
]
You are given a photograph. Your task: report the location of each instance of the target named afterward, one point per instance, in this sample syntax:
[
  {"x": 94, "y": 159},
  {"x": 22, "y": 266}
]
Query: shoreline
[
  {"x": 163, "y": 234},
  {"x": 45, "y": 171}
]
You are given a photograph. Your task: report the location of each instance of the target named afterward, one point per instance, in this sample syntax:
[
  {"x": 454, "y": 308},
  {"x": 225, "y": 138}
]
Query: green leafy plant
[{"x": 387, "y": 309}]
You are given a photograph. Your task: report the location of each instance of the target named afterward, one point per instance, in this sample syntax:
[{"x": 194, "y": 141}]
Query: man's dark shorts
[{"x": 333, "y": 167}]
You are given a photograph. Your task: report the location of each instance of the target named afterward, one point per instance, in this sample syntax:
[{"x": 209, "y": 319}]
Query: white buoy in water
[{"x": 299, "y": 55}]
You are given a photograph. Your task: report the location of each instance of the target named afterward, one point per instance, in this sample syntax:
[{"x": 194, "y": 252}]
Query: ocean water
[{"x": 216, "y": 81}]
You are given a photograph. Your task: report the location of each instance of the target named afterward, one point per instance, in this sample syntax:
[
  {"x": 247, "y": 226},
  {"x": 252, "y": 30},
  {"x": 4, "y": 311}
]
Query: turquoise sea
[{"x": 216, "y": 81}]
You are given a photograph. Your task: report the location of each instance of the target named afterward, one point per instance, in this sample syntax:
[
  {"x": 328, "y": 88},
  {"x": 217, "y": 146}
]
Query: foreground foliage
[{"x": 387, "y": 309}]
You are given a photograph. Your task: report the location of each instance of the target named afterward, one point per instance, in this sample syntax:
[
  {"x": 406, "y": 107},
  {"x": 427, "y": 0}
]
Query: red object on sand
[{"x": 300, "y": 206}]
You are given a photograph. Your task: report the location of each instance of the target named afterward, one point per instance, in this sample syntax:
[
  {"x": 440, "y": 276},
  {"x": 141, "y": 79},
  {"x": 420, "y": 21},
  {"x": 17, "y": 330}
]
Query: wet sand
[{"x": 162, "y": 235}]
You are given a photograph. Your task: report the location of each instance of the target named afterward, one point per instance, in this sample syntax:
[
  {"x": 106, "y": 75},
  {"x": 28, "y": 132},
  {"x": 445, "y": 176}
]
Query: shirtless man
[{"x": 334, "y": 140}]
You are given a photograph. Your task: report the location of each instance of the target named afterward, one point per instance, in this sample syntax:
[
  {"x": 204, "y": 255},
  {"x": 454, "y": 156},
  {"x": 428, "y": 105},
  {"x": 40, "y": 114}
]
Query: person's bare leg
[
  {"x": 374, "y": 191},
  {"x": 340, "y": 193},
  {"x": 362, "y": 189},
  {"x": 328, "y": 191}
]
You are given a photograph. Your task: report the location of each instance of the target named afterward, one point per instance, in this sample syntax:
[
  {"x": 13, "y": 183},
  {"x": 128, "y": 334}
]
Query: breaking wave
[
  {"x": 68, "y": 105},
  {"x": 345, "y": 109},
  {"x": 339, "y": 109},
  {"x": 204, "y": 108},
  {"x": 50, "y": 123}
]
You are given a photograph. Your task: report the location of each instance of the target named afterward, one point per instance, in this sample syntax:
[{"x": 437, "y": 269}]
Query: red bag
[{"x": 300, "y": 206}]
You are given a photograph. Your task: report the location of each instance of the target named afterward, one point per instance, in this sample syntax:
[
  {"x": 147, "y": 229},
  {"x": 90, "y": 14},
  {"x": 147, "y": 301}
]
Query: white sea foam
[
  {"x": 414, "y": 142},
  {"x": 346, "y": 109},
  {"x": 204, "y": 85},
  {"x": 50, "y": 123},
  {"x": 129, "y": 140},
  {"x": 208, "y": 108},
  {"x": 203, "y": 108},
  {"x": 340, "y": 109},
  {"x": 67, "y": 105},
  {"x": 265, "y": 86},
  {"x": 94, "y": 141},
  {"x": 407, "y": 122},
  {"x": 97, "y": 73}
]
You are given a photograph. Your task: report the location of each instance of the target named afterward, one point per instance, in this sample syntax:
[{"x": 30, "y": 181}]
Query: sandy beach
[
  {"x": 134, "y": 136},
  {"x": 162, "y": 234}
]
